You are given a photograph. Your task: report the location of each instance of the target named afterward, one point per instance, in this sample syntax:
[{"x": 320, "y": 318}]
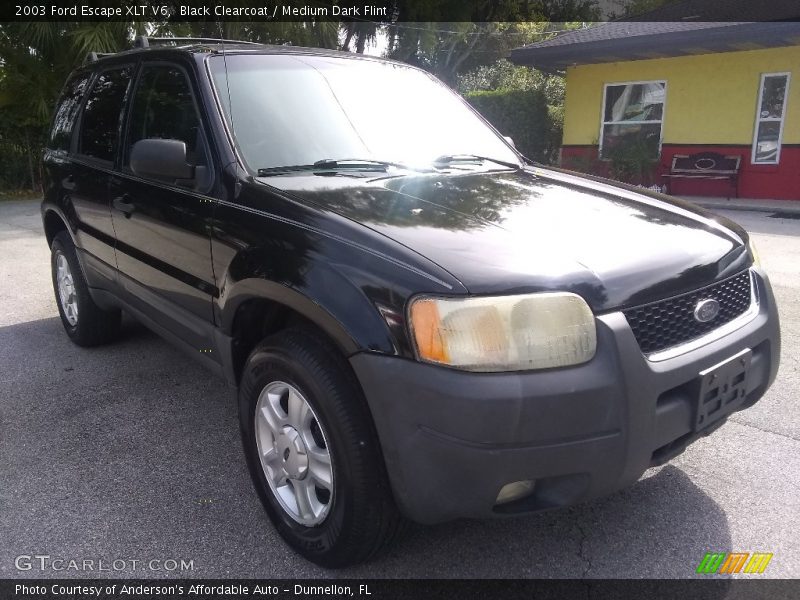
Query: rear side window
[
  {"x": 66, "y": 110},
  {"x": 163, "y": 107},
  {"x": 101, "y": 115}
]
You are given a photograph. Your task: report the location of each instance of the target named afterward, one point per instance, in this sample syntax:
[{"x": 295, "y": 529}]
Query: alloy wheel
[
  {"x": 294, "y": 453},
  {"x": 67, "y": 294}
]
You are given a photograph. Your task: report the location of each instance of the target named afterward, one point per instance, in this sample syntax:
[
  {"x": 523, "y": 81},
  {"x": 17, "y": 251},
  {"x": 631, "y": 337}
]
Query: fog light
[{"x": 514, "y": 491}]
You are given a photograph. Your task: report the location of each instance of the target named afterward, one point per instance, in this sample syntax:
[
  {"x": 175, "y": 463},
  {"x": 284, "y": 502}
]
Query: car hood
[{"x": 538, "y": 229}]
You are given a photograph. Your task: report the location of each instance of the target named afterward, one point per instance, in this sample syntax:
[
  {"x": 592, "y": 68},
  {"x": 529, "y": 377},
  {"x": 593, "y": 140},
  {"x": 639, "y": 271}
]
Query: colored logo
[
  {"x": 734, "y": 562},
  {"x": 706, "y": 310}
]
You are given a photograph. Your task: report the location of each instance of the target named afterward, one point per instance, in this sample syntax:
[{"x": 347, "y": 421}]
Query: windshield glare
[{"x": 291, "y": 110}]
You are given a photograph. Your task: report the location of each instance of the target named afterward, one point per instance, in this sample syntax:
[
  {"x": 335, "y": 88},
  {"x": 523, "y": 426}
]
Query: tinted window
[
  {"x": 101, "y": 115},
  {"x": 163, "y": 108},
  {"x": 64, "y": 118}
]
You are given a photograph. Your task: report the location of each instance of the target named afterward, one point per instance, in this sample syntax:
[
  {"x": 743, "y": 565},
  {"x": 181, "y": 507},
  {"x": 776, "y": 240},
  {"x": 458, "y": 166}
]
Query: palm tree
[
  {"x": 36, "y": 57},
  {"x": 34, "y": 61},
  {"x": 363, "y": 32}
]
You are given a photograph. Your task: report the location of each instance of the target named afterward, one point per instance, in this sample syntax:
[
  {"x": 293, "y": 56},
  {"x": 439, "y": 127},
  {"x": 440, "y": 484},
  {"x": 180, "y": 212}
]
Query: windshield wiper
[
  {"x": 357, "y": 163},
  {"x": 330, "y": 164},
  {"x": 449, "y": 159}
]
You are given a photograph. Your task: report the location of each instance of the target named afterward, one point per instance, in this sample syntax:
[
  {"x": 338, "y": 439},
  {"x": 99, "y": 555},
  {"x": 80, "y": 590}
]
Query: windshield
[{"x": 298, "y": 110}]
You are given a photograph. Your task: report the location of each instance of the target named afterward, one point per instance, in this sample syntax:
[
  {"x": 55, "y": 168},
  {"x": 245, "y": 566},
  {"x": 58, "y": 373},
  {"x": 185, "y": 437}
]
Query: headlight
[
  {"x": 753, "y": 252},
  {"x": 504, "y": 333}
]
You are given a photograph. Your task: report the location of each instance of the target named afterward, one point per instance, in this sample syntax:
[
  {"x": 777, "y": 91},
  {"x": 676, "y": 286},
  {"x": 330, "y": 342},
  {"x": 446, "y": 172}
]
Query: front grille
[{"x": 670, "y": 322}]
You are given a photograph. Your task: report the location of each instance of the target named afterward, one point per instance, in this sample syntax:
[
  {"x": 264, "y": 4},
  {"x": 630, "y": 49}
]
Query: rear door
[
  {"x": 163, "y": 244},
  {"x": 92, "y": 162}
]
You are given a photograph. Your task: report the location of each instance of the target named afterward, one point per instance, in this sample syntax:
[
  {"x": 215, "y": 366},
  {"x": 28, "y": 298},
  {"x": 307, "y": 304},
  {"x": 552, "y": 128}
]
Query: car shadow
[
  {"x": 133, "y": 449},
  {"x": 661, "y": 527}
]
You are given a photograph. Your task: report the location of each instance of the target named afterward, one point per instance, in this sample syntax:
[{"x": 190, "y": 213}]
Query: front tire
[
  {"x": 84, "y": 321},
  {"x": 312, "y": 451}
]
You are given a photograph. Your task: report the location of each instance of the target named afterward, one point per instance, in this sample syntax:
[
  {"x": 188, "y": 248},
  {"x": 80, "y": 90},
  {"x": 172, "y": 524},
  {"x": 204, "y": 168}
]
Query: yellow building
[{"x": 698, "y": 91}]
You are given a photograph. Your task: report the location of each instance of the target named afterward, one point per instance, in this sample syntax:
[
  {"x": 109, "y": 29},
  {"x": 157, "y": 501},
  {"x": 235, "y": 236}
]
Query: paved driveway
[{"x": 131, "y": 453}]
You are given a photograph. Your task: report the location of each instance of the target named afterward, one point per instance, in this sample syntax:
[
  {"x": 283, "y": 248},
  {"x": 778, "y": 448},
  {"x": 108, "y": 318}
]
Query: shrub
[
  {"x": 633, "y": 160},
  {"x": 525, "y": 116},
  {"x": 18, "y": 166}
]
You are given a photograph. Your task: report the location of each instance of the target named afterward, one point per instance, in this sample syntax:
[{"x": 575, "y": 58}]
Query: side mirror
[
  {"x": 161, "y": 159},
  {"x": 510, "y": 140}
]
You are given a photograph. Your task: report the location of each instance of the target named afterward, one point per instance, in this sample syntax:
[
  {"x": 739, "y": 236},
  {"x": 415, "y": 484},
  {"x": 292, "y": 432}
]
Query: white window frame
[
  {"x": 759, "y": 119},
  {"x": 603, "y": 122}
]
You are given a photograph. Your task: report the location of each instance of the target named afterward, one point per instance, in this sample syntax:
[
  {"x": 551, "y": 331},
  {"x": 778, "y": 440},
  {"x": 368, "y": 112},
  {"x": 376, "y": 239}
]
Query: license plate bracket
[{"x": 721, "y": 389}]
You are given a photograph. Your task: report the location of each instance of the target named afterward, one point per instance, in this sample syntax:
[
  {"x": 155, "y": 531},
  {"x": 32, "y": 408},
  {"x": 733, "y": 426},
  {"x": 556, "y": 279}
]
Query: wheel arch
[
  {"x": 53, "y": 224},
  {"x": 258, "y": 308}
]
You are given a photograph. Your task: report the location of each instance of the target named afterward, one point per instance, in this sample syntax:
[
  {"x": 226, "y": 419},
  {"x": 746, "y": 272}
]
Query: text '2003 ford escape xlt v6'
[{"x": 419, "y": 323}]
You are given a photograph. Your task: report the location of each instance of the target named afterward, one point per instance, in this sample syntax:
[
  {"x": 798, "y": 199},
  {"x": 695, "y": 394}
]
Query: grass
[{"x": 19, "y": 195}]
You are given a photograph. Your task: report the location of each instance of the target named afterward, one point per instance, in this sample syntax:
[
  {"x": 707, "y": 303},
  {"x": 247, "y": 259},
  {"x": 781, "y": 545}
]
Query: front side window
[
  {"x": 67, "y": 108},
  {"x": 769, "y": 118},
  {"x": 101, "y": 116},
  {"x": 298, "y": 109},
  {"x": 163, "y": 108},
  {"x": 633, "y": 116}
]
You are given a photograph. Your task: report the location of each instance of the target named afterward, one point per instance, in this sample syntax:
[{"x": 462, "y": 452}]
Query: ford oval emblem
[{"x": 706, "y": 310}]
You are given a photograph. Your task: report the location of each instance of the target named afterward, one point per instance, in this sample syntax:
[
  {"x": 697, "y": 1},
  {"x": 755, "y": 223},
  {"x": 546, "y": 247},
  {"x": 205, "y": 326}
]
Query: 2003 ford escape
[{"x": 419, "y": 322}]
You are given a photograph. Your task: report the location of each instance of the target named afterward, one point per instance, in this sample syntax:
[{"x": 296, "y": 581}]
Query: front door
[{"x": 162, "y": 238}]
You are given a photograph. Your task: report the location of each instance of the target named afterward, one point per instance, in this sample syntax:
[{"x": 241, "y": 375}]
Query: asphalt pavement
[{"x": 131, "y": 453}]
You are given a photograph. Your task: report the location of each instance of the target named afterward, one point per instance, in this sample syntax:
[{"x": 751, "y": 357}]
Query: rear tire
[
  {"x": 84, "y": 321},
  {"x": 357, "y": 517}
]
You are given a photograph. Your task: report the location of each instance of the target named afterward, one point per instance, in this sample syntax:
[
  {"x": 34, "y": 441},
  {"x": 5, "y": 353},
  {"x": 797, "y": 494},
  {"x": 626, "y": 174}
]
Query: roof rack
[
  {"x": 143, "y": 41},
  {"x": 95, "y": 56}
]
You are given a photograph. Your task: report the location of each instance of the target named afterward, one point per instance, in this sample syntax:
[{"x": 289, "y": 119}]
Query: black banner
[
  {"x": 203, "y": 10},
  {"x": 384, "y": 589},
  {"x": 390, "y": 11}
]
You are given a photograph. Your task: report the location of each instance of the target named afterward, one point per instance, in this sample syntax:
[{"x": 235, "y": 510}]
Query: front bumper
[{"x": 451, "y": 440}]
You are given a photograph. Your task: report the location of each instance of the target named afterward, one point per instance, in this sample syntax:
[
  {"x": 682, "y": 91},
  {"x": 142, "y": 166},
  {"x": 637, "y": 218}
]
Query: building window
[
  {"x": 769, "y": 118},
  {"x": 633, "y": 115}
]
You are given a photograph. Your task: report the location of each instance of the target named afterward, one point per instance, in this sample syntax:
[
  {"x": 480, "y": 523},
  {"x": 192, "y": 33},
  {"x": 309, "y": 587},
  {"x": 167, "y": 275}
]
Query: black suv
[{"x": 417, "y": 321}]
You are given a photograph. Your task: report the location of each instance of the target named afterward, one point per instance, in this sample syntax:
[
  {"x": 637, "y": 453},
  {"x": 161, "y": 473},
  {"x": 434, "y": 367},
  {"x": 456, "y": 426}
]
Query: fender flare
[{"x": 263, "y": 289}]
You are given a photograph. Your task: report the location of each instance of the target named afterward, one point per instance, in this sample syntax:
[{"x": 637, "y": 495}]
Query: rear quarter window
[{"x": 66, "y": 111}]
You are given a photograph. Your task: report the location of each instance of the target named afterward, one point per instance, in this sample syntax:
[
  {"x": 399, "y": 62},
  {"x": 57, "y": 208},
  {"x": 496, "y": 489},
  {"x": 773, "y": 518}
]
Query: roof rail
[
  {"x": 95, "y": 56},
  {"x": 143, "y": 41}
]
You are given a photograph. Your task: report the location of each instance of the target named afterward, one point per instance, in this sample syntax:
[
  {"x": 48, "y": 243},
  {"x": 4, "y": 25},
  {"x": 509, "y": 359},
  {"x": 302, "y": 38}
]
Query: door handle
[{"x": 124, "y": 205}]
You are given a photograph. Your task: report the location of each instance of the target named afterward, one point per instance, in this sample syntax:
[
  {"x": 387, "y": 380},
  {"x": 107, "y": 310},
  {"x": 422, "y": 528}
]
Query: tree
[
  {"x": 483, "y": 33},
  {"x": 317, "y": 34},
  {"x": 36, "y": 57},
  {"x": 631, "y": 8},
  {"x": 34, "y": 61},
  {"x": 362, "y": 32},
  {"x": 503, "y": 74}
]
